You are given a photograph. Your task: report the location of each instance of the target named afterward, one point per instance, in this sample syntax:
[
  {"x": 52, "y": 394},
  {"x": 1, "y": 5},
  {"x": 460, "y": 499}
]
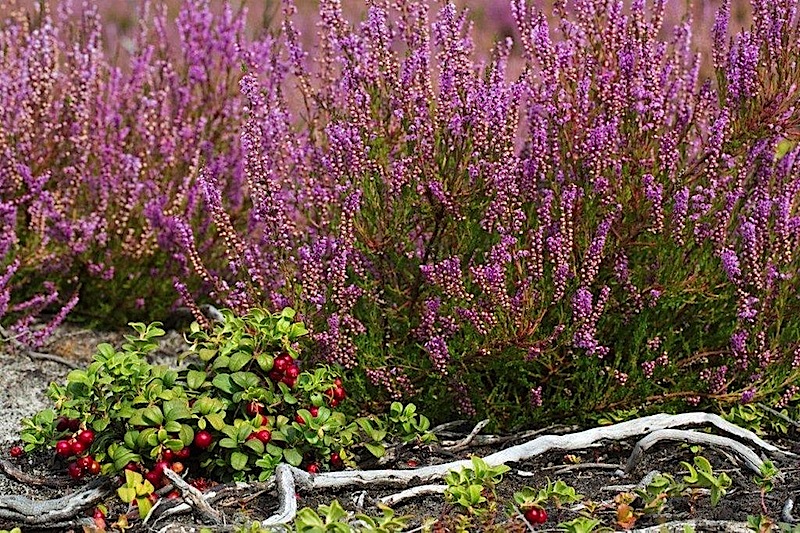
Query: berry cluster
[
  {"x": 285, "y": 370},
  {"x": 536, "y": 515},
  {"x": 76, "y": 447}
]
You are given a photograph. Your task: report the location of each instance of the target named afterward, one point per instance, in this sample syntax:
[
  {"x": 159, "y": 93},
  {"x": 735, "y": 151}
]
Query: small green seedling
[
  {"x": 701, "y": 475},
  {"x": 469, "y": 486}
]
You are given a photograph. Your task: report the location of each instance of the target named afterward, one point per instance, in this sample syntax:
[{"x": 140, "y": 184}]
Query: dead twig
[
  {"x": 749, "y": 457},
  {"x": 38, "y": 481},
  {"x": 719, "y": 526},
  {"x": 466, "y": 441},
  {"x": 413, "y": 492},
  {"x": 194, "y": 497}
]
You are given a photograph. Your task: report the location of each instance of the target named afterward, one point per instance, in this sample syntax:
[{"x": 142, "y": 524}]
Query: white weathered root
[
  {"x": 466, "y": 441},
  {"x": 50, "y": 513},
  {"x": 749, "y": 457},
  {"x": 786, "y": 512},
  {"x": 413, "y": 492},
  {"x": 194, "y": 497},
  {"x": 679, "y": 526},
  {"x": 288, "y": 479}
]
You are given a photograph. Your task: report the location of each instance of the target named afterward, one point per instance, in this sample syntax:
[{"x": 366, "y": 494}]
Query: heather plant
[
  {"x": 608, "y": 231},
  {"x": 98, "y": 155}
]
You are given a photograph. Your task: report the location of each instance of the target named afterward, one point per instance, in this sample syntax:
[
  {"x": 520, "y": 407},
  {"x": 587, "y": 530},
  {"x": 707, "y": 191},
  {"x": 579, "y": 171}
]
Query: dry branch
[{"x": 749, "y": 457}]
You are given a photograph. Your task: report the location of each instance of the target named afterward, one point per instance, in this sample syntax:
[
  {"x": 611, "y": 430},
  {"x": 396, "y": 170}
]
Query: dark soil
[{"x": 23, "y": 382}]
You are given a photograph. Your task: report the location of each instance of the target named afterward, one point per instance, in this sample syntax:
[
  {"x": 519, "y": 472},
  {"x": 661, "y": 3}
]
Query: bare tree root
[
  {"x": 413, "y": 492},
  {"x": 288, "y": 480},
  {"x": 749, "y": 457},
  {"x": 57, "y": 512},
  {"x": 466, "y": 441},
  {"x": 194, "y": 497},
  {"x": 16, "y": 474},
  {"x": 679, "y": 526}
]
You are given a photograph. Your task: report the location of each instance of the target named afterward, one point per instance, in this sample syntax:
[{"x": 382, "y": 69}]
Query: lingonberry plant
[
  {"x": 241, "y": 407},
  {"x": 607, "y": 231}
]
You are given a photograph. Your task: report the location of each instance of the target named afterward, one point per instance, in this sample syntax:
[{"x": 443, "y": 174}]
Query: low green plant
[
  {"x": 654, "y": 495},
  {"x": 701, "y": 475},
  {"x": 136, "y": 491},
  {"x": 334, "y": 519},
  {"x": 472, "y": 487},
  {"x": 241, "y": 407},
  {"x": 583, "y": 524},
  {"x": 556, "y": 492}
]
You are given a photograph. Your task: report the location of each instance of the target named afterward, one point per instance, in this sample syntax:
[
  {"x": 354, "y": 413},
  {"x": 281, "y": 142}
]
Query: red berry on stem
[
  {"x": 94, "y": 468},
  {"x": 292, "y": 371},
  {"x": 313, "y": 468},
  {"x": 183, "y": 453},
  {"x": 336, "y": 459},
  {"x": 73, "y": 424},
  {"x": 333, "y": 402},
  {"x": 63, "y": 424},
  {"x": 203, "y": 439},
  {"x": 314, "y": 410},
  {"x": 264, "y": 436},
  {"x": 339, "y": 394},
  {"x": 74, "y": 471},
  {"x": 254, "y": 408},
  {"x": 337, "y": 382},
  {"x": 275, "y": 376},
  {"x": 281, "y": 365},
  {"x": 84, "y": 462},
  {"x": 174, "y": 495},
  {"x": 299, "y": 419},
  {"x": 78, "y": 447},
  {"x": 63, "y": 448},
  {"x": 86, "y": 436},
  {"x": 160, "y": 466},
  {"x": 168, "y": 455},
  {"x": 154, "y": 477},
  {"x": 133, "y": 467},
  {"x": 16, "y": 451}
]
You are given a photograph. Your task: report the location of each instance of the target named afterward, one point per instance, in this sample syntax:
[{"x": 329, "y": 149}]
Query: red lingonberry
[
  {"x": 62, "y": 424},
  {"x": 84, "y": 462},
  {"x": 73, "y": 424},
  {"x": 254, "y": 408},
  {"x": 173, "y": 495},
  {"x": 86, "y": 436},
  {"x": 281, "y": 365},
  {"x": 333, "y": 402},
  {"x": 264, "y": 436},
  {"x": 275, "y": 376},
  {"x": 314, "y": 410},
  {"x": 78, "y": 447},
  {"x": 299, "y": 419},
  {"x": 16, "y": 451},
  {"x": 154, "y": 477},
  {"x": 292, "y": 371},
  {"x": 313, "y": 468},
  {"x": 94, "y": 468},
  {"x": 337, "y": 382},
  {"x": 74, "y": 471},
  {"x": 133, "y": 467},
  {"x": 160, "y": 466},
  {"x": 183, "y": 454},
  {"x": 63, "y": 448},
  {"x": 168, "y": 455},
  {"x": 339, "y": 393},
  {"x": 203, "y": 439},
  {"x": 336, "y": 459}
]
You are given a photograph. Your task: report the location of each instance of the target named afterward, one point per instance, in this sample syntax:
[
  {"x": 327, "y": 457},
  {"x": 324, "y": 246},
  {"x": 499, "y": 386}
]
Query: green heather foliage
[
  {"x": 581, "y": 224},
  {"x": 604, "y": 233}
]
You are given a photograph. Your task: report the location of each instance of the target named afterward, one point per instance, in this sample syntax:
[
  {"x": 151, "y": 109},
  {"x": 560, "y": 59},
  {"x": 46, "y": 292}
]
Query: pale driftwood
[
  {"x": 678, "y": 526},
  {"x": 646, "y": 480},
  {"x": 287, "y": 479},
  {"x": 194, "y": 497},
  {"x": 58, "y": 511},
  {"x": 466, "y": 441},
  {"x": 413, "y": 492},
  {"x": 16, "y": 474},
  {"x": 565, "y": 469},
  {"x": 749, "y": 457},
  {"x": 786, "y": 512}
]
